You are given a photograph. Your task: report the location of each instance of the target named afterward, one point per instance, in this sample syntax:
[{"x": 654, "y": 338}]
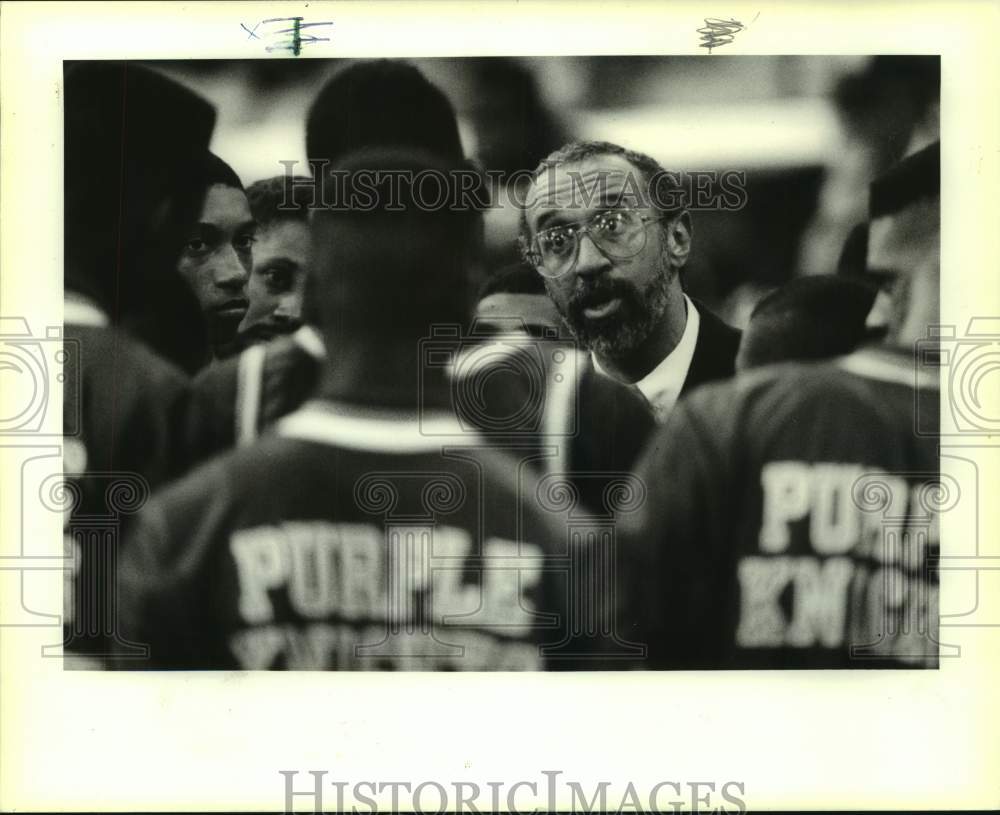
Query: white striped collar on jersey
[
  {"x": 888, "y": 365},
  {"x": 376, "y": 429}
]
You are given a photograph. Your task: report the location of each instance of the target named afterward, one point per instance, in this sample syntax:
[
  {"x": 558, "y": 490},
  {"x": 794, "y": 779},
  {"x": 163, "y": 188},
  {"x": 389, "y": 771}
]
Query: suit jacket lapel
[{"x": 714, "y": 353}]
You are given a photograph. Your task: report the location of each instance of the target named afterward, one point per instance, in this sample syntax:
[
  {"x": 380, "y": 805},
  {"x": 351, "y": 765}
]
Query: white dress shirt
[{"x": 661, "y": 387}]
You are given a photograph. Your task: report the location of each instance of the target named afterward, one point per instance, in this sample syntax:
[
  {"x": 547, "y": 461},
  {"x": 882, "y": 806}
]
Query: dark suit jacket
[
  {"x": 714, "y": 356},
  {"x": 616, "y": 421},
  {"x": 715, "y": 351}
]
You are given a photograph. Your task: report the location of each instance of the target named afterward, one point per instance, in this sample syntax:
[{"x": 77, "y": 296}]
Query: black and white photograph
[
  {"x": 638, "y": 369},
  {"x": 570, "y": 392}
]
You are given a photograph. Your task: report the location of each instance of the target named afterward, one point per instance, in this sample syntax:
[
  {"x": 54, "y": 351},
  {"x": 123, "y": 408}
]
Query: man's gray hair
[{"x": 661, "y": 189}]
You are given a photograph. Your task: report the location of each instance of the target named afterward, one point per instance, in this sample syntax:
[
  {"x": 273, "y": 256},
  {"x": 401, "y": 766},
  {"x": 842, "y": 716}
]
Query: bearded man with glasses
[{"x": 608, "y": 230}]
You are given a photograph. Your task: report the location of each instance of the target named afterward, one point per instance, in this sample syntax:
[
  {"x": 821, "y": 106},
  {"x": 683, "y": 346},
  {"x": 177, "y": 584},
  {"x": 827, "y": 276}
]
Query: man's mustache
[{"x": 599, "y": 292}]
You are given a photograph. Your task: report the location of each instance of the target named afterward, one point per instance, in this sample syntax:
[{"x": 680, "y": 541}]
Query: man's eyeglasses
[{"x": 617, "y": 233}]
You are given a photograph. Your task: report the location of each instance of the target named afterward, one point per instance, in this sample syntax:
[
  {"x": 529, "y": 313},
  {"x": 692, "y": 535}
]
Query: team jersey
[
  {"x": 122, "y": 428},
  {"x": 353, "y": 538},
  {"x": 235, "y": 399},
  {"x": 791, "y": 521},
  {"x": 544, "y": 398},
  {"x": 537, "y": 397}
]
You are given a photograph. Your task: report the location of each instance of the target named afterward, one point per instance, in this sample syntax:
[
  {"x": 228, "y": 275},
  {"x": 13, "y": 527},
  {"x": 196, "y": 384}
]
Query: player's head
[
  {"x": 130, "y": 195},
  {"x": 517, "y": 293},
  {"x": 904, "y": 237},
  {"x": 389, "y": 266},
  {"x": 806, "y": 318},
  {"x": 612, "y": 280},
  {"x": 216, "y": 253},
  {"x": 276, "y": 289},
  {"x": 380, "y": 103}
]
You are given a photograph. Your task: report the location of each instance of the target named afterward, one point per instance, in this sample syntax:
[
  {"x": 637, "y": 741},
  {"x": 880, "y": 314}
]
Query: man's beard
[{"x": 620, "y": 333}]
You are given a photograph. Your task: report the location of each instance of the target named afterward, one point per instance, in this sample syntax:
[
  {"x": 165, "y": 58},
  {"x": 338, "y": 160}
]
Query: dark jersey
[
  {"x": 537, "y": 397},
  {"x": 349, "y": 539},
  {"x": 543, "y": 399},
  {"x": 123, "y": 413},
  {"x": 790, "y": 522},
  {"x": 235, "y": 399}
]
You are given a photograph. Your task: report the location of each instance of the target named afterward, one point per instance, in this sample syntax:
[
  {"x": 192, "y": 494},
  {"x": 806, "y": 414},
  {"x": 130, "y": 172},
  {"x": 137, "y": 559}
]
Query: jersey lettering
[
  {"x": 412, "y": 577},
  {"x": 863, "y": 578},
  {"x": 795, "y": 490},
  {"x": 331, "y": 646}
]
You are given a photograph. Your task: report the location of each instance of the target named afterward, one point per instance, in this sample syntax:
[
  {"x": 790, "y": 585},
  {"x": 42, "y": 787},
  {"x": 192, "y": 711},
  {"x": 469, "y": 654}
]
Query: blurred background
[{"x": 809, "y": 132}]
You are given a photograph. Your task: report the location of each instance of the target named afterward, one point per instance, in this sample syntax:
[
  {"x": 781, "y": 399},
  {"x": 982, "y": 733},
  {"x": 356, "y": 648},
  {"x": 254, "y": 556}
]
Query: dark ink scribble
[
  {"x": 716, "y": 32},
  {"x": 287, "y": 39}
]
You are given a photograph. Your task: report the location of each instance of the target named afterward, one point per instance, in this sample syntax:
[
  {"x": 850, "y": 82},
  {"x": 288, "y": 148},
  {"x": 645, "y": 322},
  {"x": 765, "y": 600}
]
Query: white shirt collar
[{"x": 662, "y": 386}]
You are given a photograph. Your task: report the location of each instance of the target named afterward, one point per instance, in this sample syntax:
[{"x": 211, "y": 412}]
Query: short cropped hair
[
  {"x": 281, "y": 198},
  {"x": 515, "y": 278},
  {"x": 381, "y": 103},
  {"x": 210, "y": 170},
  {"x": 807, "y": 318}
]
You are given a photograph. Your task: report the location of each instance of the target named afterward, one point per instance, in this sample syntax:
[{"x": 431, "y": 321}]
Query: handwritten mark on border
[
  {"x": 295, "y": 37},
  {"x": 718, "y": 32}
]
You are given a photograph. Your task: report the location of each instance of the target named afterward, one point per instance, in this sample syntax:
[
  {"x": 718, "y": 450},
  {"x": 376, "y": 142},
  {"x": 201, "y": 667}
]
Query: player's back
[
  {"x": 349, "y": 539},
  {"x": 123, "y": 412},
  {"x": 789, "y": 520},
  {"x": 130, "y": 404},
  {"x": 539, "y": 393}
]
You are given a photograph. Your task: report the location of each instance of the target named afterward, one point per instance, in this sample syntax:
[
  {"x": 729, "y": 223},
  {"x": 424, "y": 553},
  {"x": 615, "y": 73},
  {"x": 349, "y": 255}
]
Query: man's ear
[{"x": 679, "y": 234}]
